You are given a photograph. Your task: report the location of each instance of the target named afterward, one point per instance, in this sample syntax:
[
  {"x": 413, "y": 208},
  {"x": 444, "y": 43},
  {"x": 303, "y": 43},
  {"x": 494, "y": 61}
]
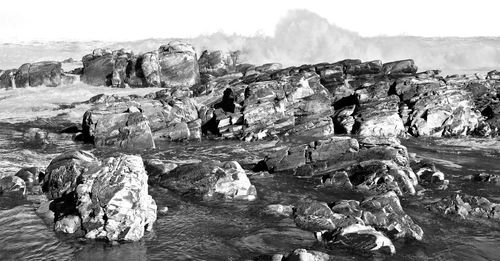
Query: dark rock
[
  {"x": 64, "y": 172},
  {"x": 7, "y": 79},
  {"x": 400, "y": 67},
  {"x": 45, "y": 73},
  {"x": 210, "y": 180},
  {"x": 98, "y": 68},
  {"x": 484, "y": 177},
  {"x": 372, "y": 67}
]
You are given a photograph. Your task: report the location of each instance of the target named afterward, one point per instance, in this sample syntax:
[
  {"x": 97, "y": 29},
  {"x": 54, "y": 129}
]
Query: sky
[{"x": 124, "y": 20}]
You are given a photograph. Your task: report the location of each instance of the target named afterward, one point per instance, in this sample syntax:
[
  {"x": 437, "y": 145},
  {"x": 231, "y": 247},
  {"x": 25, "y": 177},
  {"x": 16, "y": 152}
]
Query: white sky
[{"x": 118, "y": 20}]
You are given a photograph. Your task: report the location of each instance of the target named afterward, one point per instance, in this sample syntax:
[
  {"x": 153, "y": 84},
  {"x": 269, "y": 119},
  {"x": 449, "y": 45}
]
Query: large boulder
[
  {"x": 98, "y": 68},
  {"x": 209, "y": 180},
  {"x": 178, "y": 65},
  {"x": 400, "y": 67},
  {"x": 217, "y": 63},
  {"x": 45, "y": 73},
  {"x": 129, "y": 129},
  {"x": 150, "y": 68},
  {"x": 113, "y": 201}
]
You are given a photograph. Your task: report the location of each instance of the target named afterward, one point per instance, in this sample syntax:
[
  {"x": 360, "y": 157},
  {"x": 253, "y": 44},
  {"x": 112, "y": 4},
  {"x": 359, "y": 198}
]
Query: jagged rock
[
  {"x": 467, "y": 207},
  {"x": 120, "y": 77},
  {"x": 12, "y": 185},
  {"x": 385, "y": 213},
  {"x": 317, "y": 216},
  {"x": 68, "y": 224},
  {"x": 113, "y": 200},
  {"x": 64, "y": 172},
  {"x": 210, "y": 180},
  {"x": 125, "y": 130},
  {"x": 178, "y": 65},
  {"x": 23, "y": 76},
  {"x": 443, "y": 110}
]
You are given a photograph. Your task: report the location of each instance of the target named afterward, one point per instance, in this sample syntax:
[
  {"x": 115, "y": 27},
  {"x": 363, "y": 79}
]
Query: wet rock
[
  {"x": 150, "y": 68},
  {"x": 483, "y": 177},
  {"x": 22, "y": 77},
  {"x": 385, "y": 213},
  {"x": 278, "y": 210},
  {"x": 306, "y": 255},
  {"x": 113, "y": 200},
  {"x": 125, "y": 130},
  {"x": 36, "y": 136},
  {"x": 98, "y": 68},
  {"x": 12, "y": 185},
  {"x": 178, "y": 65},
  {"x": 210, "y": 180},
  {"x": 361, "y": 238},
  {"x": 64, "y": 172},
  {"x": 467, "y": 207},
  {"x": 156, "y": 168},
  {"x": 45, "y": 73},
  {"x": 317, "y": 216},
  {"x": 68, "y": 224},
  {"x": 30, "y": 175},
  {"x": 7, "y": 79}
]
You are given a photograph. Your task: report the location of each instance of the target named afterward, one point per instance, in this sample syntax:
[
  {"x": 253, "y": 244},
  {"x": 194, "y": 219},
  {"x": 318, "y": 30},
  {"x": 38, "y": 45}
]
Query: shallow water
[{"x": 192, "y": 230}]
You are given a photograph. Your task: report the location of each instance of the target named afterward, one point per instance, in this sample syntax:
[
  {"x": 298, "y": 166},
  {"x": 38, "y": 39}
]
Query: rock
[
  {"x": 269, "y": 67},
  {"x": 484, "y": 177},
  {"x": 467, "y": 207},
  {"x": 46, "y": 214},
  {"x": 400, "y": 67},
  {"x": 372, "y": 67},
  {"x": 7, "y": 79},
  {"x": 64, "y": 172},
  {"x": 113, "y": 200},
  {"x": 36, "y": 136},
  {"x": 306, "y": 255},
  {"x": 12, "y": 185},
  {"x": 29, "y": 175},
  {"x": 278, "y": 210},
  {"x": 209, "y": 180},
  {"x": 22, "y": 76},
  {"x": 98, "y": 68},
  {"x": 155, "y": 169},
  {"x": 218, "y": 63},
  {"x": 150, "y": 68},
  {"x": 361, "y": 238},
  {"x": 178, "y": 65},
  {"x": 125, "y": 130},
  {"x": 45, "y": 73},
  {"x": 68, "y": 224},
  {"x": 317, "y": 216},
  {"x": 385, "y": 213}
]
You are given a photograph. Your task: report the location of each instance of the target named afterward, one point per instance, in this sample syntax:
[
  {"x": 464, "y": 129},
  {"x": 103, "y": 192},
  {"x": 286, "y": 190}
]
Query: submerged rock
[
  {"x": 12, "y": 185},
  {"x": 209, "y": 180}
]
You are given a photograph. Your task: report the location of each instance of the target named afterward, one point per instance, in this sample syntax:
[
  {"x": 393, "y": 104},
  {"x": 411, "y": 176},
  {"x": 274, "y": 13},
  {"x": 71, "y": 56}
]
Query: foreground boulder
[
  {"x": 105, "y": 200},
  {"x": 210, "y": 180},
  {"x": 113, "y": 201}
]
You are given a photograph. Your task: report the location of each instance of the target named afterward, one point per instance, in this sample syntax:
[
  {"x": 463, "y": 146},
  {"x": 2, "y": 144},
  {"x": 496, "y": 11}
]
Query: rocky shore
[{"x": 338, "y": 124}]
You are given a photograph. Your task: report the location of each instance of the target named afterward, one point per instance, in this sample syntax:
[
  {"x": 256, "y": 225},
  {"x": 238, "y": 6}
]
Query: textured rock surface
[
  {"x": 210, "y": 180},
  {"x": 113, "y": 200}
]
